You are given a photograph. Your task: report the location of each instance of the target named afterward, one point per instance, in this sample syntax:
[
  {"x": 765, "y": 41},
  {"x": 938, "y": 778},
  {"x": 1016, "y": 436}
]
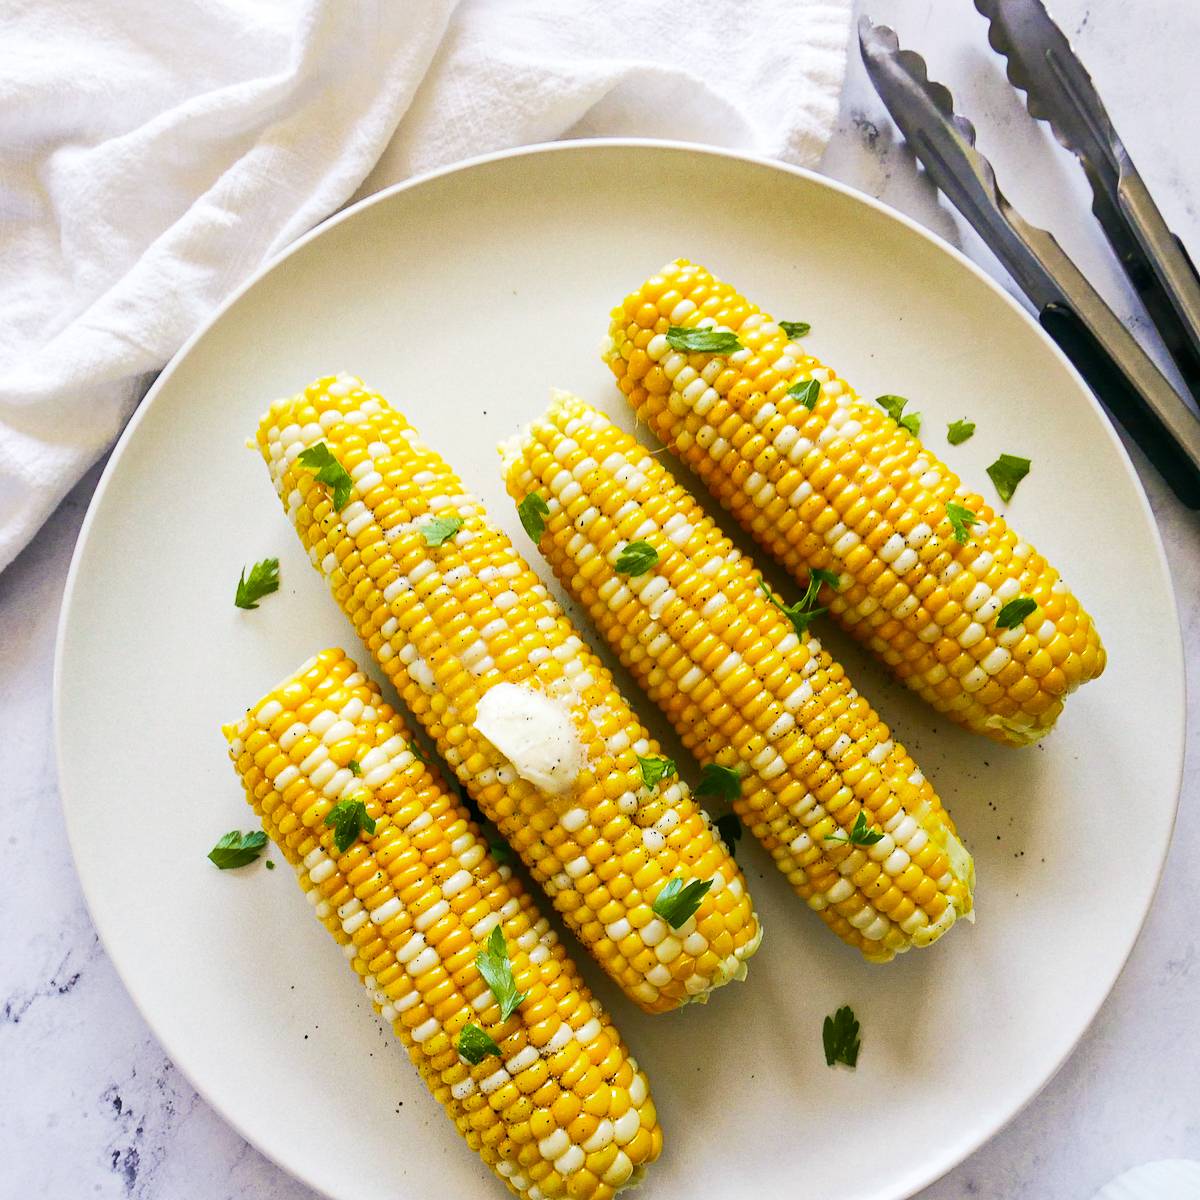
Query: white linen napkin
[{"x": 153, "y": 158}]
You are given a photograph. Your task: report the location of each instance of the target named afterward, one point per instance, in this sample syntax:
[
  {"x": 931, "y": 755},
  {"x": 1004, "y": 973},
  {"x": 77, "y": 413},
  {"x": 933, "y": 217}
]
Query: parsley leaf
[
  {"x": 894, "y": 407},
  {"x": 501, "y": 852},
  {"x": 730, "y": 829},
  {"x": 438, "y": 530},
  {"x": 349, "y": 818},
  {"x": 1014, "y": 612},
  {"x": 719, "y": 783},
  {"x": 840, "y": 1037},
  {"x": 269, "y": 864},
  {"x": 475, "y": 1045},
  {"x": 805, "y": 610},
  {"x": 237, "y": 849},
  {"x": 677, "y": 902},
  {"x": 959, "y": 431},
  {"x": 654, "y": 770},
  {"x": 533, "y": 511},
  {"x": 1006, "y": 472},
  {"x": 808, "y": 392},
  {"x": 496, "y": 968},
  {"x": 795, "y": 329},
  {"x": 329, "y": 471},
  {"x": 861, "y": 834},
  {"x": 703, "y": 341},
  {"x": 355, "y": 766},
  {"x": 262, "y": 581},
  {"x": 961, "y": 520},
  {"x": 636, "y": 558}
]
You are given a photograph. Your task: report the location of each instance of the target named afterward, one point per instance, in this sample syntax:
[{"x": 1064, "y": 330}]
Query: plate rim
[{"x": 938, "y": 1164}]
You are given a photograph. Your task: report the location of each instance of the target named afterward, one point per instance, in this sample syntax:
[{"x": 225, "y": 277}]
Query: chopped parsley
[
  {"x": 702, "y": 341},
  {"x": 262, "y": 581},
  {"x": 636, "y": 558},
  {"x": 533, "y": 511},
  {"x": 329, "y": 471},
  {"x": 719, "y": 783},
  {"x": 808, "y": 392},
  {"x": 348, "y": 818},
  {"x": 415, "y": 750},
  {"x": 269, "y": 864},
  {"x": 861, "y": 834},
  {"x": 959, "y": 431},
  {"x": 1006, "y": 472},
  {"x": 678, "y": 901},
  {"x": 961, "y": 520},
  {"x": 438, "y": 530},
  {"x": 730, "y": 829},
  {"x": 475, "y": 1045},
  {"x": 795, "y": 329},
  {"x": 355, "y": 766},
  {"x": 656, "y": 769},
  {"x": 501, "y": 852},
  {"x": 840, "y": 1037},
  {"x": 237, "y": 849},
  {"x": 496, "y": 968},
  {"x": 805, "y": 610},
  {"x": 894, "y": 407},
  {"x": 1014, "y": 612}
]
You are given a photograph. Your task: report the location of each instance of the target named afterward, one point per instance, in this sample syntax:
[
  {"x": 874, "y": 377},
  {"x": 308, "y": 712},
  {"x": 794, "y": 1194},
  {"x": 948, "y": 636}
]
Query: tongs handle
[{"x": 1177, "y": 465}]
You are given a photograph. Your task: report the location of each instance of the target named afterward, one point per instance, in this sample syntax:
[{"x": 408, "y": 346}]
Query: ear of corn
[
  {"x": 450, "y": 622},
  {"x": 844, "y": 487},
  {"x": 563, "y": 1110},
  {"x": 742, "y": 689}
]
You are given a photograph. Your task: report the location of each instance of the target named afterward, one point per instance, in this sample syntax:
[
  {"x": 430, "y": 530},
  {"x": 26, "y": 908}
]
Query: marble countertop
[{"x": 93, "y": 1104}]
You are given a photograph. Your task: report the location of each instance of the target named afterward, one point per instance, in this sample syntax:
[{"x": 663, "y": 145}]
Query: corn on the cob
[
  {"x": 563, "y": 1110},
  {"x": 742, "y": 689},
  {"x": 454, "y": 622},
  {"x": 844, "y": 487}
]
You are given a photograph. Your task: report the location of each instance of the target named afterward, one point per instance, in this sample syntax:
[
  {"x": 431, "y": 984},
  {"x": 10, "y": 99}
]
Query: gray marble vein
[{"x": 93, "y": 1107}]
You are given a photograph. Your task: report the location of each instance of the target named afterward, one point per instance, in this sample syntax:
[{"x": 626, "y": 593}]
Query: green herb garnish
[
  {"x": 349, "y": 818},
  {"x": 961, "y": 520},
  {"x": 654, "y": 770},
  {"x": 1006, "y": 472},
  {"x": 636, "y": 558},
  {"x": 795, "y": 329},
  {"x": 894, "y": 407},
  {"x": 501, "y": 852},
  {"x": 475, "y": 1045},
  {"x": 269, "y": 864},
  {"x": 677, "y": 902},
  {"x": 417, "y": 753},
  {"x": 262, "y": 581},
  {"x": 496, "y": 968},
  {"x": 237, "y": 849},
  {"x": 730, "y": 829},
  {"x": 805, "y": 610},
  {"x": 355, "y": 766},
  {"x": 1015, "y": 612},
  {"x": 438, "y": 530},
  {"x": 533, "y": 511},
  {"x": 861, "y": 834},
  {"x": 840, "y": 1036},
  {"x": 329, "y": 471},
  {"x": 719, "y": 783},
  {"x": 702, "y": 341},
  {"x": 959, "y": 431},
  {"x": 808, "y": 392}
]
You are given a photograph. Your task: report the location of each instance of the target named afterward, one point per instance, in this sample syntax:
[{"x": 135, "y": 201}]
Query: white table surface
[{"x": 92, "y": 1106}]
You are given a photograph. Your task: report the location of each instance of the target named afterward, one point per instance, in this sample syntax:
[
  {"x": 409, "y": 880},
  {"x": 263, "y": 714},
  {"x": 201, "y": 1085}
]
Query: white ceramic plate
[{"x": 464, "y": 297}]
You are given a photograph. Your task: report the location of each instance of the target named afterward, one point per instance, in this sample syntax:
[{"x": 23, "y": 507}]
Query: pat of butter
[{"x": 534, "y": 733}]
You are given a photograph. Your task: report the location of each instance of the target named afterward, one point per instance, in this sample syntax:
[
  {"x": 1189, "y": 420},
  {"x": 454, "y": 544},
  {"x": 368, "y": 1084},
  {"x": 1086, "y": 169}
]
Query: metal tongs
[{"x": 1058, "y": 89}]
